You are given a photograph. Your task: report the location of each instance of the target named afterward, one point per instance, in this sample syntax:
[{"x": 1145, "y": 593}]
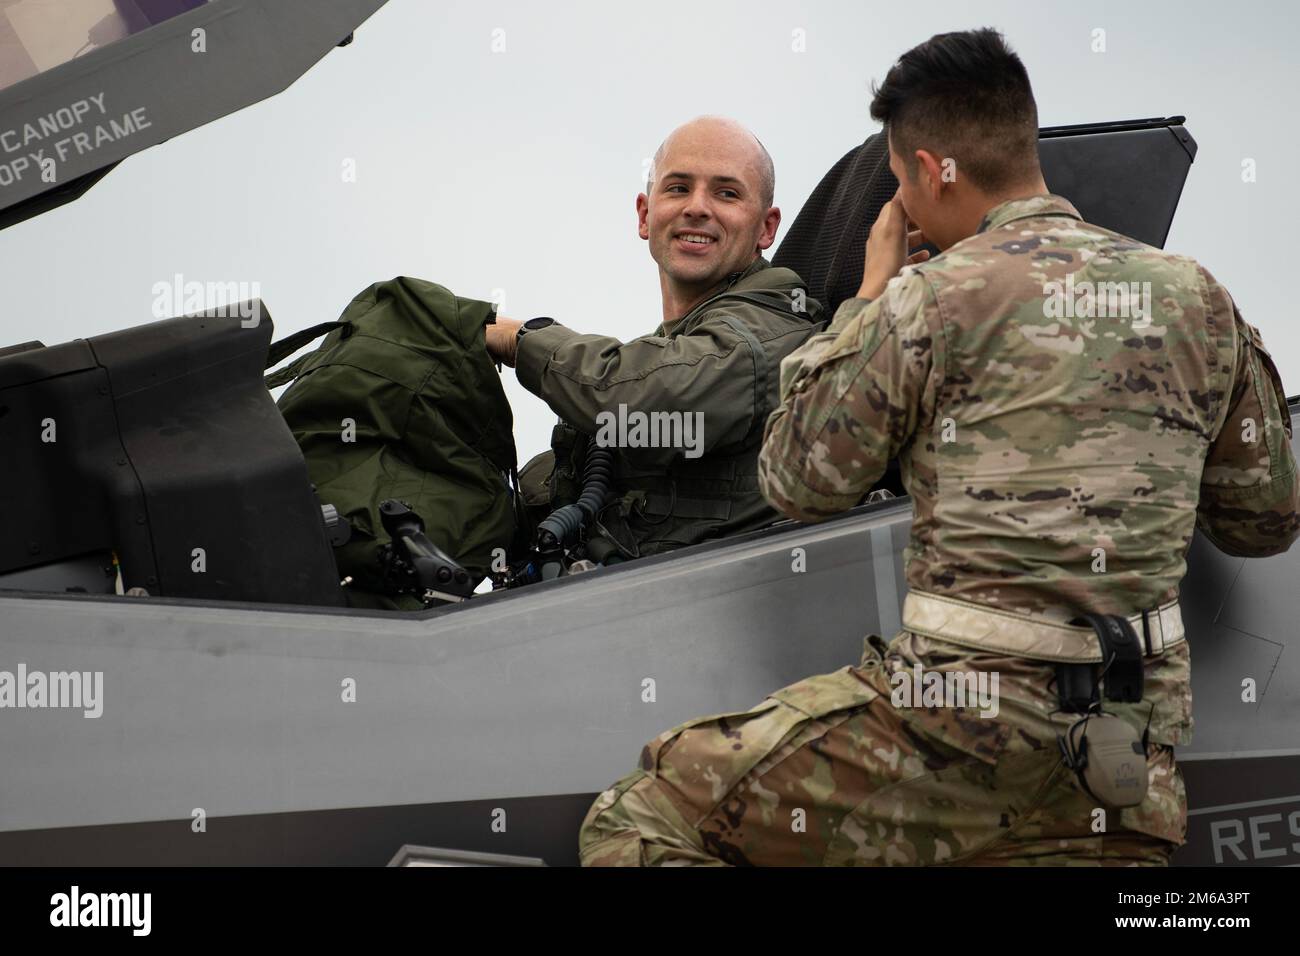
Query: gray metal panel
[
  {"x": 1241, "y": 615},
  {"x": 255, "y": 49},
  {"x": 538, "y": 692},
  {"x": 92, "y": 573}
]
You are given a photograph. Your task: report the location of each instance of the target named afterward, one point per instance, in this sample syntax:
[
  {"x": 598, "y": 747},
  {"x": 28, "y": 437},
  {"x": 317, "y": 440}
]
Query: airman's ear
[
  {"x": 931, "y": 172},
  {"x": 771, "y": 221},
  {"x": 642, "y": 211}
]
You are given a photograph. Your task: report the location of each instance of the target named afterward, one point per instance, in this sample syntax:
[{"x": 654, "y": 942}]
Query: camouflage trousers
[{"x": 829, "y": 771}]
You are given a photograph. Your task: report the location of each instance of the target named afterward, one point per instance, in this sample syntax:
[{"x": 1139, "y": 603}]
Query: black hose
[{"x": 561, "y": 525}]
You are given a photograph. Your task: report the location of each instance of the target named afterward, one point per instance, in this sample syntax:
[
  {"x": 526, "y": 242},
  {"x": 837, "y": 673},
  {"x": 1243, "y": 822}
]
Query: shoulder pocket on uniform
[{"x": 1277, "y": 417}]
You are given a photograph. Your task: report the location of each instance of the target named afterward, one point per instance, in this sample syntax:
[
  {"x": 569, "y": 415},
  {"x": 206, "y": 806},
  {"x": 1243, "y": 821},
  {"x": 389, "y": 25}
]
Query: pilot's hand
[
  {"x": 501, "y": 337},
  {"x": 887, "y": 248}
]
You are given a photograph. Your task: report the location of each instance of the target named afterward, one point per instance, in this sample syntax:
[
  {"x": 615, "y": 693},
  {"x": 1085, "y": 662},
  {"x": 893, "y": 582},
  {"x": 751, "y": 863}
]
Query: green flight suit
[{"x": 710, "y": 380}]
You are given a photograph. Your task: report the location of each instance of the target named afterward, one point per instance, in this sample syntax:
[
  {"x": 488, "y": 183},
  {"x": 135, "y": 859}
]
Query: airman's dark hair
[{"x": 964, "y": 96}]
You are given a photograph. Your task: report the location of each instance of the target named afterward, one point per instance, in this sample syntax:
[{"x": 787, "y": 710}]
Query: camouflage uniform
[
  {"x": 1028, "y": 438},
  {"x": 720, "y": 361}
]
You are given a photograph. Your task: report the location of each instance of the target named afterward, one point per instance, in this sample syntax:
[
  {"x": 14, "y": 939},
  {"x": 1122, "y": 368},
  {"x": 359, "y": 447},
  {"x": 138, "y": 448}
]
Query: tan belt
[{"x": 1023, "y": 635}]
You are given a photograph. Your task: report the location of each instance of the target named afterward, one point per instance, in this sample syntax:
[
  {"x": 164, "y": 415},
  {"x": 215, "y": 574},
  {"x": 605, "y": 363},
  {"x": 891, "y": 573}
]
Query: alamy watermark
[
  {"x": 212, "y": 299},
  {"x": 74, "y": 690},
  {"x": 1098, "y": 300},
  {"x": 75, "y": 908},
  {"x": 638, "y": 429},
  {"x": 928, "y": 688}
]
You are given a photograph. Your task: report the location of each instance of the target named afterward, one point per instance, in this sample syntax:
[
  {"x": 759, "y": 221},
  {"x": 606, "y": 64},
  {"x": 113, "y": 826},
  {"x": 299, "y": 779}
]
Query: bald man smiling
[{"x": 683, "y": 407}]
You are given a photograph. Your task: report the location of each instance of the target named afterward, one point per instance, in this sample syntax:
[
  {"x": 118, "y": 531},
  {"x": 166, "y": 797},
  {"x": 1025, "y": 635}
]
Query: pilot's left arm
[{"x": 849, "y": 404}]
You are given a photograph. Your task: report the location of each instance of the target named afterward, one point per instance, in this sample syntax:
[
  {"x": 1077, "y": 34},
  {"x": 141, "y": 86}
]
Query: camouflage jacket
[
  {"x": 711, "y": 378},
  {"x": 1066, "y": 404}
]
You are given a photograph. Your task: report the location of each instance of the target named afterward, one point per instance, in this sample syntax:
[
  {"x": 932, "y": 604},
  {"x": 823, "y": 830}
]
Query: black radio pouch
[
  {"x": 1111, "y": 764},
  {"x": 1121, "y": 667}
]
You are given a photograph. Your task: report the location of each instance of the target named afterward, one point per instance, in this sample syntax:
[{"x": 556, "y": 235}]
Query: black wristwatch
[{"x": 532, "y": 325}]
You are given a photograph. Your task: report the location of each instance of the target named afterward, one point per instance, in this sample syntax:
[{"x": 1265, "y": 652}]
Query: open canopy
[{"x": 86, "y": 83}]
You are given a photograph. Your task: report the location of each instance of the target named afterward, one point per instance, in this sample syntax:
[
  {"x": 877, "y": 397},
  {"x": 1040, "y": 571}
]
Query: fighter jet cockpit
[
  {"x": 138, "y": 475},
  {"x": 168, "y": 518}
]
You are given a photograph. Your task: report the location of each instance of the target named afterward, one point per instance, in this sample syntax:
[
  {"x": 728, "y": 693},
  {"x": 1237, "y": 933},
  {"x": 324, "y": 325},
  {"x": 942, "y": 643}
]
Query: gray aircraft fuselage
[{"x": 303, "y": 735}]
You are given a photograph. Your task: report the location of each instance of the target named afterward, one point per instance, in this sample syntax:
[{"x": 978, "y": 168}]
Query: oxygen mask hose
[{"x": 561, "y": 527}]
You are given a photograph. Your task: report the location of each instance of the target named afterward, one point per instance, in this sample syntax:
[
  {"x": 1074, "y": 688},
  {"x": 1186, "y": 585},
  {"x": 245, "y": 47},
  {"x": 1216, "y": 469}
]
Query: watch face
[{"x": 541, "y": 322}]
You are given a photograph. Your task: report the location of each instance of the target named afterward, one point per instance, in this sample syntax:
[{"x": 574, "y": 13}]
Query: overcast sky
[{"x": 517, "y": 170}]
